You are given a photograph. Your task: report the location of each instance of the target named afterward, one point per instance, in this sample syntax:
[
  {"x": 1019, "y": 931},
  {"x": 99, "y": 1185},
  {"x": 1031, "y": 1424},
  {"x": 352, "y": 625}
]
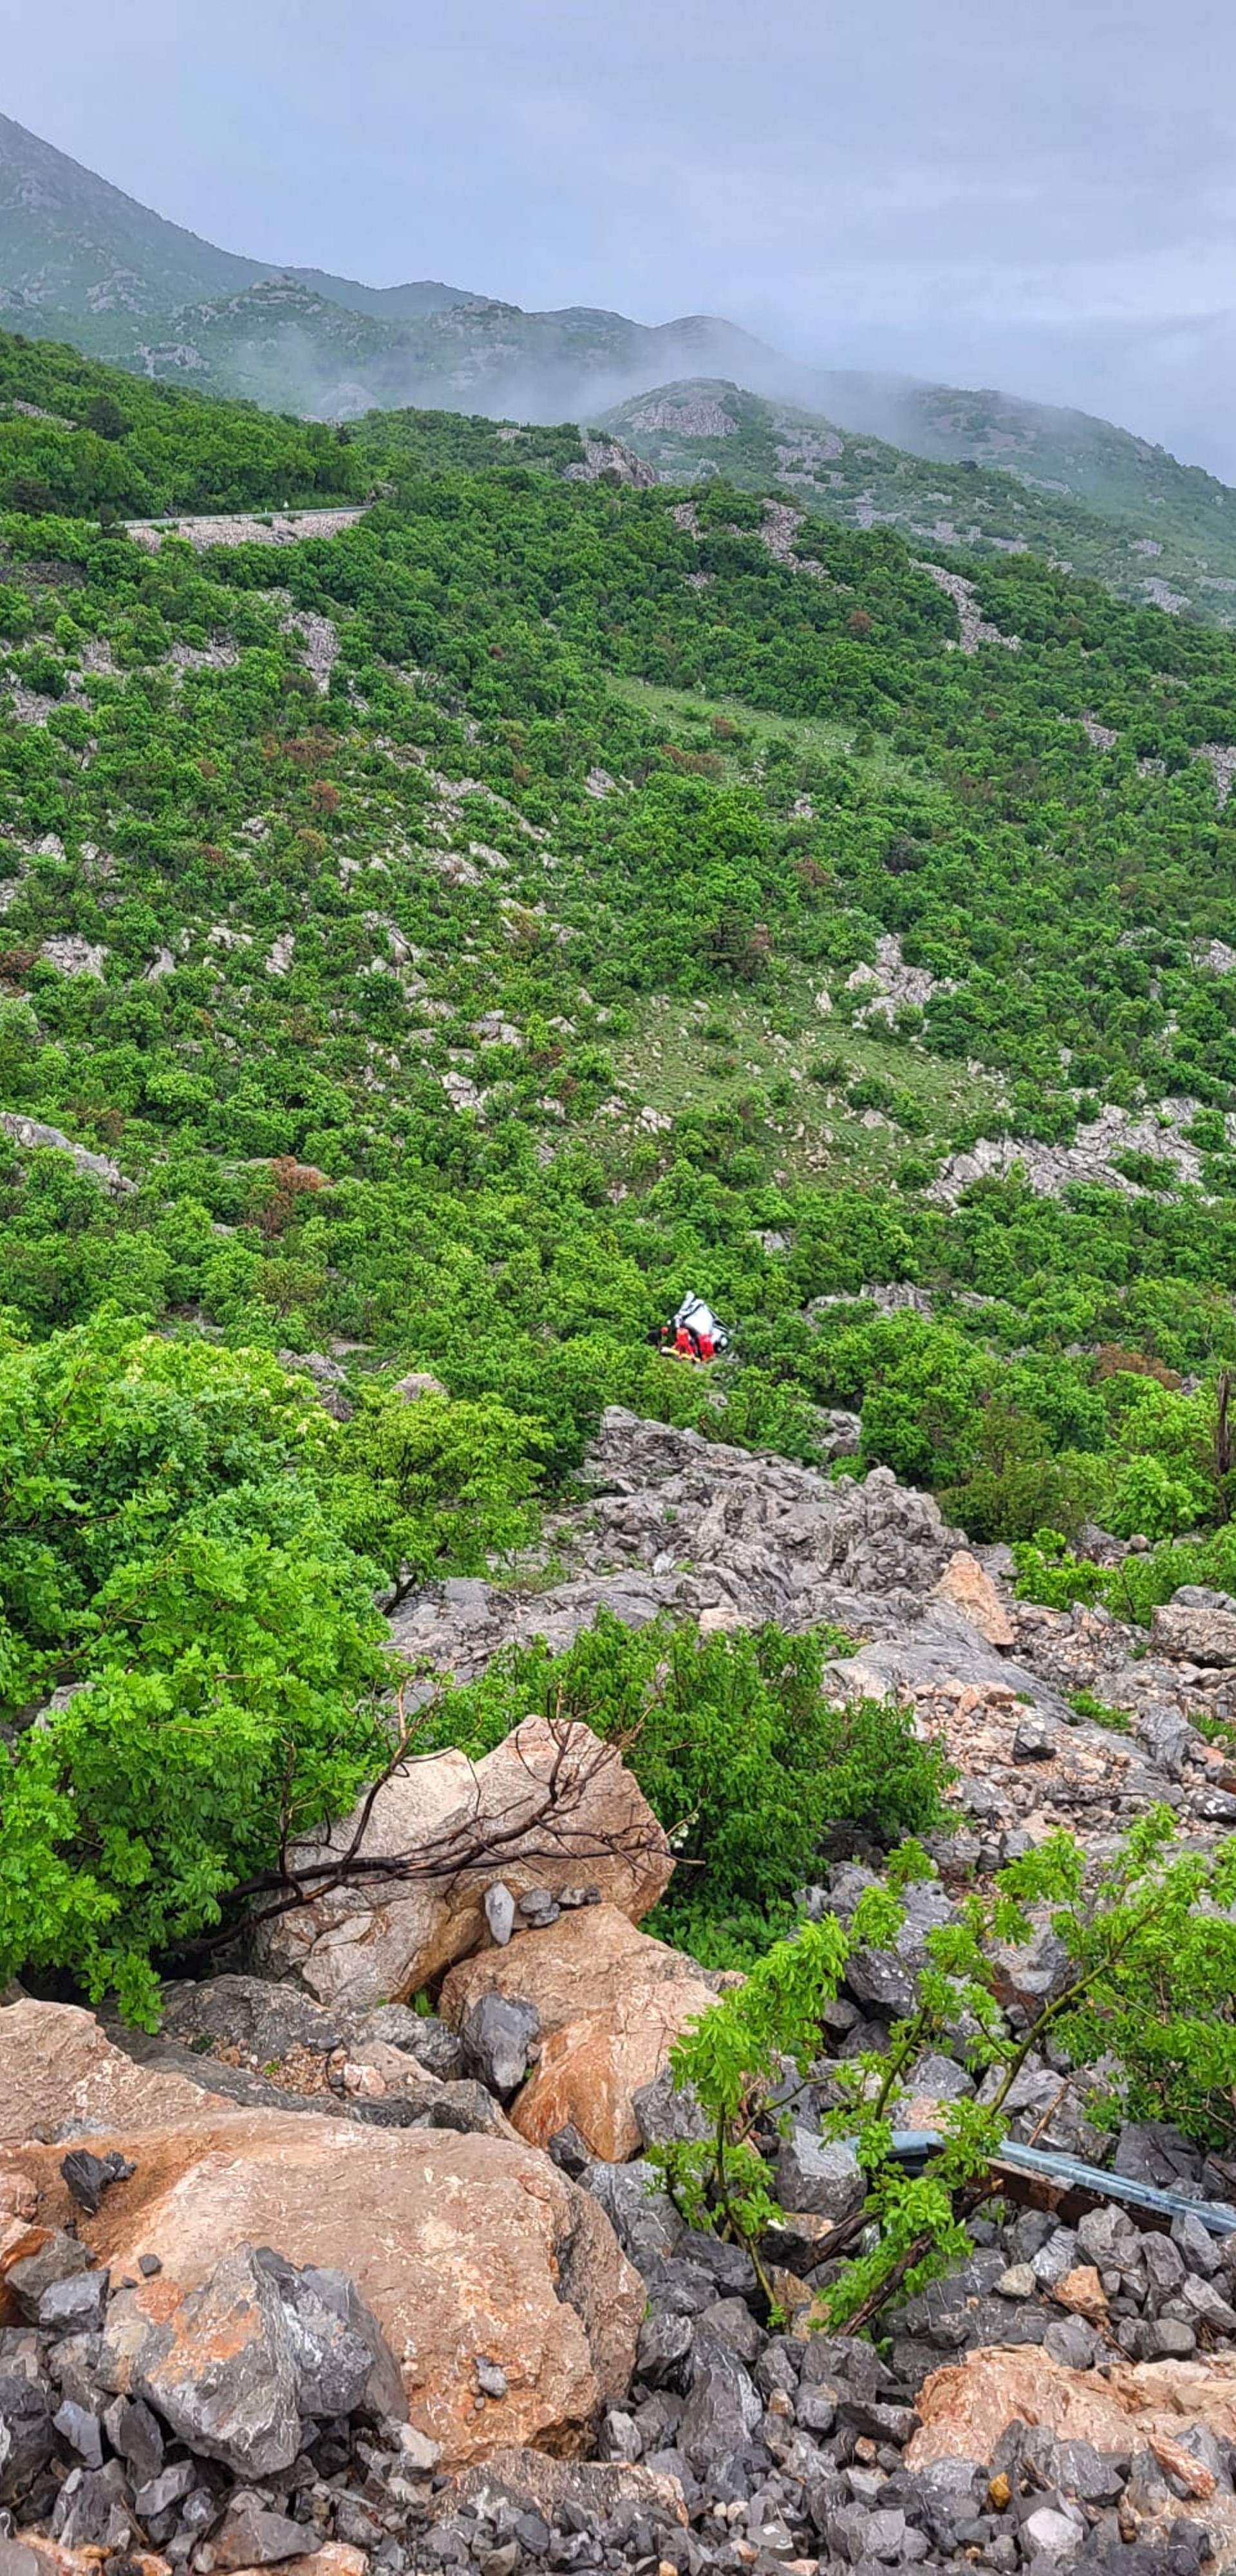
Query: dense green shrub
[
  {"x": 739, "y": 1748},
  {"x": 165, "y": 1564}
]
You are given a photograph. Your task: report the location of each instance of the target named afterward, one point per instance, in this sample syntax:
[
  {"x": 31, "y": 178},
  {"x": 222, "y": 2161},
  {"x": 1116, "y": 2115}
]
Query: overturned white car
[{"x": 694, "y": 1333}]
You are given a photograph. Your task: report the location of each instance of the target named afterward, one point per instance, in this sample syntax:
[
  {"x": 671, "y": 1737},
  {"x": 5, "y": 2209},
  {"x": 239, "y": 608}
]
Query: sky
[{"x": 1039, "y": 197}]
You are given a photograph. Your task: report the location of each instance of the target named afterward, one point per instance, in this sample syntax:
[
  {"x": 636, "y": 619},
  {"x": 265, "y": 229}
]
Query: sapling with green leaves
[{"x": 1142, "y": 2017}]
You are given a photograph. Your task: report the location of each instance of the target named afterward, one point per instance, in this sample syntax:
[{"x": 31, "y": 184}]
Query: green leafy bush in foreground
[
  {"x": 1145, "y": 2016},
  {"x": 167, "y": 1567},
  {"x": 739, "y": 1750}
]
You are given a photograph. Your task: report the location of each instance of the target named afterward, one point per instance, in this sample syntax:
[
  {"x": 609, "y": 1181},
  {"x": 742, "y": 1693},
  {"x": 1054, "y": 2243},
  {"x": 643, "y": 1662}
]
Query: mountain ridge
[{"x": 83, "y": 262}]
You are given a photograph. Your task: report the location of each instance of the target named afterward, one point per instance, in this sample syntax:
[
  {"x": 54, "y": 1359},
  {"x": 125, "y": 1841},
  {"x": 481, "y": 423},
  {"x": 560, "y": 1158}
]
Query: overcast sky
[{"x": 1040, "y": 196}]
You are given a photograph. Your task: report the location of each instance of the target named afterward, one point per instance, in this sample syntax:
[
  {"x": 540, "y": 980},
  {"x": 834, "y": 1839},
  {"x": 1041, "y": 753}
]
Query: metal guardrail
[{"x": 1068, "y": 2175}]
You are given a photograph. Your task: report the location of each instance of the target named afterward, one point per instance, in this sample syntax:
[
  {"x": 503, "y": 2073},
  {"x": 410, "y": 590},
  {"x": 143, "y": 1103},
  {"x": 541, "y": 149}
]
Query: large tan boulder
[
  {"x": 465, "y": 2248},
  {"x": 59, "y": 2073},
  {"x": 550, "y": 1807},
  {"x": 967, "y": 1588},
  {"x": 611, "y": 2003}
]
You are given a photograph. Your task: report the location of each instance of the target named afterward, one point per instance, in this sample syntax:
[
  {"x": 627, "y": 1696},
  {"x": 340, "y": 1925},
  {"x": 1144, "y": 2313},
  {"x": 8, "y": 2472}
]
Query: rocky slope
[{"x": 318, "y": 2281}]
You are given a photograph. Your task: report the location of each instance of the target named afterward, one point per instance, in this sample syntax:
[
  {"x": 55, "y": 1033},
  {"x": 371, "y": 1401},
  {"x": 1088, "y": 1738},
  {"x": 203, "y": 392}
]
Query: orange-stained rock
[
  {"x": 44, "y": 2557},
  {"x": 611, "y": 2003},
  {"x": 1082, "y": 2292},
  {"x": 380, "y": 1941},
  {"x": 58, "y": 2071},
  {"x": 966, "y": 2407},
  {"x": 966, "y": 1588},
  {"x": 461, "y": 2246}
]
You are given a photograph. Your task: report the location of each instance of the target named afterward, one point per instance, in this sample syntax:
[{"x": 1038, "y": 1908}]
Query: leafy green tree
[{"x": 435, "y": 1487}]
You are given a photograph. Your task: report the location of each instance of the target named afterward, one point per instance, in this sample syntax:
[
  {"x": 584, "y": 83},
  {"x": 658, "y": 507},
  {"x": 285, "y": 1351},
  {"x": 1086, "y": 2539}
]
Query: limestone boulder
[
  {"x": 1195, "y": 1628},
  {"x": 967, "y": 1587},
  {"x": 610, "y": 2003},
  {"x": 60, "y": 2076},
  {"x": 464, "y": 2248},
  {"x": 551, "y": 1807}
]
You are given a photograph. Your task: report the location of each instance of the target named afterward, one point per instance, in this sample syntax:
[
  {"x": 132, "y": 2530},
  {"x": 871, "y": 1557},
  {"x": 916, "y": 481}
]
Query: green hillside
[
  {"x": 604, "y": 888},
  {"x": 441, "y": 945},
  {"x": 697, "y": 429}
]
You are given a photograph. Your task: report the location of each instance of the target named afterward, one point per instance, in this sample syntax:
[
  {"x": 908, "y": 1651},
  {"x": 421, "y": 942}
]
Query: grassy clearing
[
  {"x": 684, "y": 711},
  {"x": 744, "y": 1054}
]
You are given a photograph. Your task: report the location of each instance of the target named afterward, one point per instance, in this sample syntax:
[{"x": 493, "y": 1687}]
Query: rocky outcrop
[
  {"x": 32, "y": 1134},
  {"x": 462, "y": 2247},
  {"x": 611, "y": 460},
  {"x": 609, "y": 2004},
  {"x": 1196, "y": 1627},
  {"x": 721, "y": 1535},
  {"x": 552, "y": 1808},
  {"x": 968, "y": 1589}
]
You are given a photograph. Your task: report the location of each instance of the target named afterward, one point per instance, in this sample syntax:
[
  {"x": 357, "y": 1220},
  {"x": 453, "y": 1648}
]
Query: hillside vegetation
[
  {"x": 441, "y": 945},
  {"x": 1140, "y": 539}
]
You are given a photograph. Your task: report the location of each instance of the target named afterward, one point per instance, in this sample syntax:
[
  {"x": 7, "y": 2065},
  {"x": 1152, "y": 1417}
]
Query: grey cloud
[{"x": 1040, "y": 197}]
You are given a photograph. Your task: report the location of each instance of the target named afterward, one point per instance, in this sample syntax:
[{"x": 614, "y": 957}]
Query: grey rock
[
  {"x": 82, "y": 2431},
  {"x": 251, "y": 2535},
  {"x": 1204, "y": 2303},
  {"x": 490, "y": 2377},
  {"x": 664, "y": 2349},
  {"x": 639, "y": 2210},
  {"x": 1196, "y": 2246},
  {"x": 570, "y": 2152},
  {"x": 221, "y": 2371},
  {"x": 26, "y": 2437},
  {"x": 665, "y": 2112},
  {"x": 265, "y": 2019},
  {"x": 91, "y": 2509},
  {"x": 1153, "y": 2151},
  {"x": 1070, "y": 2341},
  {"x": 134, "y": 2432},
  {"x": 941, "y": 2077},
  {"x": 722, "y": 2414},
  {"x": 815, "y": 2409},
  {"x": 1078, "y": 2470},
  {"x": 880, "y": 1981},
  {"x": 57, "y": 2259},
  {"x": 1167, "y": 1738},
  {"x": 500, "y": 2038},
  {"x": 1163, "y": 2264},
  {"x": 1055, "y": 2258},
  {"x": 818, "y": 2176},
  {"x": 1194, "y": 1632},
  {"x": 467, "y": 2106},
  {"x": 157, "y": 2494},
  {"x": 340, "y": 2357},
  {"x": 500, "y": 1912},
  {"x": 1054, "y": 2534},
  {"x": 1107, "y": 2238},
  {"x": 88, "y": 2176},
  {"x": 74, "y": 2306},
  {"x": 1170, "y": 2339},
  {"x": 438, "y": 2050},
  {"x": 620, "y": 2436},
  {"x": 538, "y": 1909}
]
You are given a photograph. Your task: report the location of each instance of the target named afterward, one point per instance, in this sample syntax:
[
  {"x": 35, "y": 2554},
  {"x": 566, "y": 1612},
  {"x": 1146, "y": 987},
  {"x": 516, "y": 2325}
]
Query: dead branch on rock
[{"x": 547, "y": 1826}]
